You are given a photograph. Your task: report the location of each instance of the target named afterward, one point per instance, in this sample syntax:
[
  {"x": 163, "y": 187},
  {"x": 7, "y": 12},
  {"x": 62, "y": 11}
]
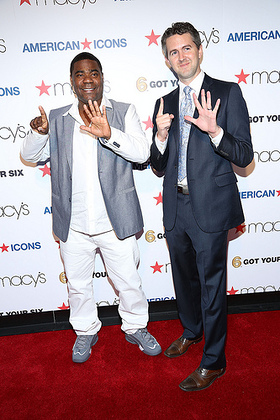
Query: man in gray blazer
[{"x": 91, "y": 145}]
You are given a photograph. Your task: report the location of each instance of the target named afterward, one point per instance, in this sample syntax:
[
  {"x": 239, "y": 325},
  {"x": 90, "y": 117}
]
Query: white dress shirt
[{"x": 88, "y": 213}]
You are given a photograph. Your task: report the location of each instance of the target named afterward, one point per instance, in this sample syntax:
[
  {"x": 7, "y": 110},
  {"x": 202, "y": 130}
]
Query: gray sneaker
[
  {"x": 146, "y": 342},
  {"x": 82, "y": 347}
]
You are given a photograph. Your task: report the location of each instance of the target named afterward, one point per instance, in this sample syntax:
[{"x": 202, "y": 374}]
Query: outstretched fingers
[
  {"x": 104, "y": 112},
  {"x": 217, "y": 106},
  {"x": 92, "y": 110}
]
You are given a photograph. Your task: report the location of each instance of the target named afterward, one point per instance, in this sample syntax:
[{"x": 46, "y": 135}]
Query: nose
[
  {"x": 181, "y": 55},
  {"x": 88, "y": 78}
]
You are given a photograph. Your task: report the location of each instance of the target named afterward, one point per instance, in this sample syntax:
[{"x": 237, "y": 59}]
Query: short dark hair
[
  {"x": 84, "y": 56},
  {"x": 180, "y": 28}
]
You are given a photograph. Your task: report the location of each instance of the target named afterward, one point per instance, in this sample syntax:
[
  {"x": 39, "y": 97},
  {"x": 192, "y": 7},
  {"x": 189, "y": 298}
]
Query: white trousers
[{"x": 121, "y": 258}]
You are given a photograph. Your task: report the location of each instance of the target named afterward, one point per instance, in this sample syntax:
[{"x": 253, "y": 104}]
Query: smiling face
[
  {"x": 87, "y": 81},
  {"x": 184, "y": 56}
]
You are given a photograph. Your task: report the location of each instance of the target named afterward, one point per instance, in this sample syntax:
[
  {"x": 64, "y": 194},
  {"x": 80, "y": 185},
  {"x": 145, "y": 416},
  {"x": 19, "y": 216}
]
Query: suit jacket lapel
[
  {"x": 101, "y": 160},
  {"x": 68, "y": 129},
  {"x": 173, "y": 108},
  {"x": 207, "y": 82},
  {"x": 206, "y": 85}
]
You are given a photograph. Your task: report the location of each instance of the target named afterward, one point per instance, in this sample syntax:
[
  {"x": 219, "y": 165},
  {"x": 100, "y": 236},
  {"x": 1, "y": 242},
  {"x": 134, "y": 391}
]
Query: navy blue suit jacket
[{"x": 212, "y": 182}]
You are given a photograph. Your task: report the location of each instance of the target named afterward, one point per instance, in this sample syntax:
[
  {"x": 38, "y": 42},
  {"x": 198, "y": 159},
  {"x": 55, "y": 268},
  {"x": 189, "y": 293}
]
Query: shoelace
[
  {"x": 81, "y": 342},
  {"x": 147, "y": 335}
]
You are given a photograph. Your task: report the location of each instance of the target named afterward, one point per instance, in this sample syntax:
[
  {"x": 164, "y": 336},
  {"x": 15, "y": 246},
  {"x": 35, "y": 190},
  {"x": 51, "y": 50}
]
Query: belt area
[{"x": 183, "y": 190}]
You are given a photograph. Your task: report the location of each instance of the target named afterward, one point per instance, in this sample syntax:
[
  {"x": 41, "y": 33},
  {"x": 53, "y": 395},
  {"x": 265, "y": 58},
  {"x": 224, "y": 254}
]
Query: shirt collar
[
  {"x": 74, "y": 110},
  {"x": 195, "y": 84}
]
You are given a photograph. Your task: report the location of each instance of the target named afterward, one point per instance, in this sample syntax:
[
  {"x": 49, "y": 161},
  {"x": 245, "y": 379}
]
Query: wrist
[
  {"x": 108, "y": 135},
  {"x": 38, "y": 131},
  {"x": 162, "y": 138},
  {"x": 214, "y": 133}
]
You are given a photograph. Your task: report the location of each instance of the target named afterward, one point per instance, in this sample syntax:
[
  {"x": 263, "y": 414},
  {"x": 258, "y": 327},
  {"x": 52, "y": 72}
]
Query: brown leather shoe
[
  {"x": 180, "y": 346},
  {"x": 200, "y": 379}
]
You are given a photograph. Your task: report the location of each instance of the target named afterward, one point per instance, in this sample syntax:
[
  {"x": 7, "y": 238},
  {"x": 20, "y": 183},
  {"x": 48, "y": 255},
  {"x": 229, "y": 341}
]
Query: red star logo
[
  {"x": 278, "y": 193},
  {"x": 25, "y": 1},
  {"x": 43, "y": 88},
  {"x": 86, "y": 44},
  {"x": 152, "y": 38},
  {"x": 46, "y": 170},
  {"x": 240, "y": 228},
  {"x": 159, "y": 199},
  {"x": 242, "y": 77},
  {"x": 156, "y": 267},
  {"x": 148, "y": 123},
  {"x": 63, "y": 307},
  {"x": 4, "y": 247},
  {"x": 232, "y": 291}
]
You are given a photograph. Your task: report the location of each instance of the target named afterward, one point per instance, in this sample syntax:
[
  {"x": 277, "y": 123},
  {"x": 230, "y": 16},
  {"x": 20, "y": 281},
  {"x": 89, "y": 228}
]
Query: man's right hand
[
  {"x": 40, "y": 124},
  {"x": 163, "y": 122}
]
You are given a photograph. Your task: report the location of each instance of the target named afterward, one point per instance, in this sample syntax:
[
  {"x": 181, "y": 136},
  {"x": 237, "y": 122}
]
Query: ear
[
  {"x": 200, "y": 52},
  {"x": 71, "y": 82},
  {"x": 167, "y": 62}
]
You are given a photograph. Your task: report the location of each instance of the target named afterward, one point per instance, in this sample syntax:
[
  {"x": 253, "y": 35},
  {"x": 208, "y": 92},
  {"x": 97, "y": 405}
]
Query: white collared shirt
[
  {"x": 89, "y": 214},
  {"x": 195, "y": 85}
]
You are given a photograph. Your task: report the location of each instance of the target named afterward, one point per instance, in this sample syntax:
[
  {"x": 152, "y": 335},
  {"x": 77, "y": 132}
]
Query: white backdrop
[{"x": 39, "y": 38}]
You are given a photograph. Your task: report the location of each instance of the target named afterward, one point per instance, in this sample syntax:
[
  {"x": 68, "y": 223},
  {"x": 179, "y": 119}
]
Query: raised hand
[
  {"x": 163, "y": 122},
  {"x": 40, "y": 124},
  {"x": 99, "y": 125},
  {"x": 207, "y": 120}
]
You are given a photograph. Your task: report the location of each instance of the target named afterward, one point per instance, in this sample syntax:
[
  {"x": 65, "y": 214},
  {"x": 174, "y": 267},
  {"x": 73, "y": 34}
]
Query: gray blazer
[{"x": 115, "y": 176}]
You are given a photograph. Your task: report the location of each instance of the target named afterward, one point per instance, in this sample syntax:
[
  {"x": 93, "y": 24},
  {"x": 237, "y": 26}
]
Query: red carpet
[{"x": 39, "y": 380}]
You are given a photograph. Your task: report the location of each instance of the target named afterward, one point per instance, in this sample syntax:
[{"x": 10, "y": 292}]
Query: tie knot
[{"x": 187, "y": 90}]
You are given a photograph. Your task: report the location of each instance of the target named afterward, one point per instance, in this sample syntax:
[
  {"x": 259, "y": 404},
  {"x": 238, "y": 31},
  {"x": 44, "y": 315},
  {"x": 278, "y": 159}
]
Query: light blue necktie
[{"x": 185, "y": 127}]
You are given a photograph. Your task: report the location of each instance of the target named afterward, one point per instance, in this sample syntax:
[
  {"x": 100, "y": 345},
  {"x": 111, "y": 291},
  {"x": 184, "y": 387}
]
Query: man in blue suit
[
  {"x": 91, "y": 145},
  {"x": 200, "y": 129}
]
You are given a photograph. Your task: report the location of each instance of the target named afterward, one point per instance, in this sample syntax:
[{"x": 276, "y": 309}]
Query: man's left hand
[
  {"x": 207, "y": 120},
  {"x": 99, "y": 125}
]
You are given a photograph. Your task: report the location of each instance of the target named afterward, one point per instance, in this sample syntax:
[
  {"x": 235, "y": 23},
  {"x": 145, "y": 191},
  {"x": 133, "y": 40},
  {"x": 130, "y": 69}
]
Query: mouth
[{"x": 184, "y": 64}]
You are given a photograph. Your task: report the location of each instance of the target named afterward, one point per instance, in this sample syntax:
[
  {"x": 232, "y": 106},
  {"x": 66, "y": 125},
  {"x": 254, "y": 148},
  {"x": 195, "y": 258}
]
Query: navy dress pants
[{"x": 198, "y": 261}]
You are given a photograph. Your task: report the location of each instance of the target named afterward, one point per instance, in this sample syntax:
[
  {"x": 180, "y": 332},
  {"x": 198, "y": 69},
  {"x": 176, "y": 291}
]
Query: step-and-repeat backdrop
[{"x": 38, "y": 39}]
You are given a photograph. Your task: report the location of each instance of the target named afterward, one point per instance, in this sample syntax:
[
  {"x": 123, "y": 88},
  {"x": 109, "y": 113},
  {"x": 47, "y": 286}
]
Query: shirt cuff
[
  {"x": 216, "y": 140},
  {"x": 113, "y": 139},
  {"x": 161, "y": 145},
  {"x": 39, "y": 136}
]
